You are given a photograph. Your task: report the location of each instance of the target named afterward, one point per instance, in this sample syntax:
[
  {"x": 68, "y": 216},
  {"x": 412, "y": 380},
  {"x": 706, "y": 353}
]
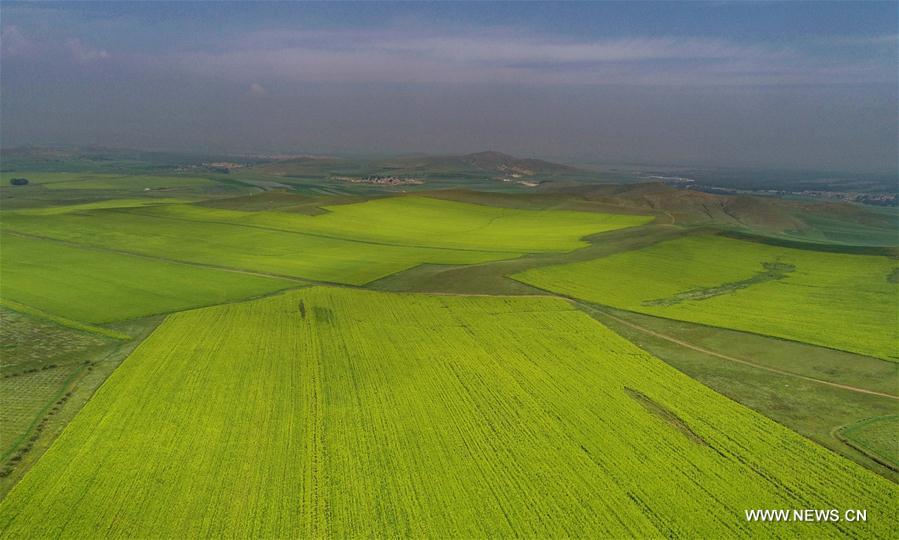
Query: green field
[
  {"x": 877, "y": 437},
  {"x": 22, "y": 397},
  {"x": 102, "y": 181},
  {"x": 96, "y": 205},
  {"x": 41, "y": 177},
  {"x": 133, "y": 183},
  {"x": 836, "y": 300},
  {"x": 100, "y": 286},
  {"x": 421, "y": 221},
  {"x": 338, "y": 412},
  {"x": 348, "y": 245}
]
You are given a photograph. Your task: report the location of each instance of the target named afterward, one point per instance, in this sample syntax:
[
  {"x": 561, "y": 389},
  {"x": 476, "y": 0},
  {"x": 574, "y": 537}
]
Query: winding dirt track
[{"x": 744, "y": 362}]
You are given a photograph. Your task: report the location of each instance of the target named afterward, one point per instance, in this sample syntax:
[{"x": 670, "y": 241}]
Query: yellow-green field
[
  {"x": 332, "y": 412},
  {"x": 435, "y": 223},
  {"x": 836, "y": 300},
  {"x": 348, "y": 245}
]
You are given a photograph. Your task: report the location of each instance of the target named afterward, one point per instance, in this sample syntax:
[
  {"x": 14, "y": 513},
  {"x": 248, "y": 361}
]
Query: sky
[{"x": 803, "y": 85}]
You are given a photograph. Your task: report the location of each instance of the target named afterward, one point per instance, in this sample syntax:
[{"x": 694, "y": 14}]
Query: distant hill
[
  {"x": 489, "y": 162},
  {"x": 811, "y": 221},
  {"x": 487, "y": 165}
]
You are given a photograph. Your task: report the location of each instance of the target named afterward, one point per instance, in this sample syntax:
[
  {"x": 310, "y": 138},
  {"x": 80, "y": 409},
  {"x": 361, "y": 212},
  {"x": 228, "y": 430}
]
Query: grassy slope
[
  {"x": 836, "y": 300},
  {"x": 335, "y": 412},
  {"x": 101, "y": 287},
  {"x": 132, "y": 183},
  {"x": 233, "y": 246},
  {"x": 420, "y": 221},
  {"x": 349, "y": 245},
  {"x": 877, "y": 437},
  {"x": 492, "y": 277}
]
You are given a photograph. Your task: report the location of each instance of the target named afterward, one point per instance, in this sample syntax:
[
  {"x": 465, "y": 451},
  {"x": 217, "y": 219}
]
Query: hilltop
[{"x": 487, "y": 165}]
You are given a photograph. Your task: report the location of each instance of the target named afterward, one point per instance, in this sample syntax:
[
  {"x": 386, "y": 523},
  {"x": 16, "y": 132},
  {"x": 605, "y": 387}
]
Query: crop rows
[{"x": 337, "y": 412}]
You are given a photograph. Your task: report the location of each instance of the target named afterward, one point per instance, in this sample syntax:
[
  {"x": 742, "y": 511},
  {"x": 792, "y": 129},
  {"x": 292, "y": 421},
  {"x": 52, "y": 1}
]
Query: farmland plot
[
  {"x": 338, "y": 412},
  {"x": 841, "y": 301},
  {"x": 354, "y": 250},
  {"x": 100, "y": 287},
  {"x": 422, "y": 221}
]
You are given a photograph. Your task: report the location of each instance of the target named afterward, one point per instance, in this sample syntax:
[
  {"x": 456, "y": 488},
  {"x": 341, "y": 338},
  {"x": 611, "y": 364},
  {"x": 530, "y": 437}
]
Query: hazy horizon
[{"x": 779, "y": 85}]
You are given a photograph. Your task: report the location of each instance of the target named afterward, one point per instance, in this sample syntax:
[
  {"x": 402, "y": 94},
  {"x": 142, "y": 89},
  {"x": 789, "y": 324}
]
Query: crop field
[
  {"x": 422, "y": 221},
  {"x": 100, "y": 286},
  {"x": 23, "y": 396},
  {"x": 353, "y": 250},
  {"x": 339, "y": 412},
  {"x": 29, "y": 344},
  {"x": 38, "y": 360},
  {"x": 836, "y": 300}
]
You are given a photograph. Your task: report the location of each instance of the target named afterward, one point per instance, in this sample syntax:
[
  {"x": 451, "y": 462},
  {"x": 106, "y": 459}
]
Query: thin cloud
[
  {"x": 257, "y": 90},
  {"x": 503, "y": 57},
  {"x": 83, "y": 53}
]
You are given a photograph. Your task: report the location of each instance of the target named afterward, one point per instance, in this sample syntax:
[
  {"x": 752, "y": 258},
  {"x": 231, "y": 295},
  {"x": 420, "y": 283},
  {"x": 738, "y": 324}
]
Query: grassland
[
  {"x": 100, "y": 286},
  {"x": 832, "y": 299},
  {"x": 102, "y": 181},
  {"x": 96, "y": 205},
  {"x": 52, "y": 177},
  {"x": 132, "y": 183},
  {"x": 875, "y": 437},
  {"x": 338, "y": 412},
  {"x": 350, "y": 244},
  {"x": 812, "y": 390}
]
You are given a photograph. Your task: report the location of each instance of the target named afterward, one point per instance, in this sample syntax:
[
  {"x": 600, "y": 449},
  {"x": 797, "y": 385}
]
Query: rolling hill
[{"x": 479, "y": 165}]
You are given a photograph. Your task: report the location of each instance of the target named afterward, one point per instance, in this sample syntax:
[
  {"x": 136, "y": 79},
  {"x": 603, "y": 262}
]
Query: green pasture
[
  {"x": 247, "y": 248},
  {"x": 347, "y": 245},
  {"x": 102, "y": 181},
  {"x": 876, "y": 436},
  {"x": 427, "y": 222},
  {"x": 836, "y": 300},
  {"x": 133, "y": 182},
  {"x": 96, "y": 205},
  {"x": 330, "y": 412},
  {"x": 99, "y": 286},
  {"x": 41, "y": 177}
]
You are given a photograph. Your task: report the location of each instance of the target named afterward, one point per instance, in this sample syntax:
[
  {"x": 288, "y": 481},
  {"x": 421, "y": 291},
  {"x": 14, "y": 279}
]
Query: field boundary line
[
  {"x": 839, "y": 433},
  {"x": 62, "y": 321},
  {"x": 740, "y": 360},
  {"x": 165, "y": 259},
  {"x": 333, "y": 237}
]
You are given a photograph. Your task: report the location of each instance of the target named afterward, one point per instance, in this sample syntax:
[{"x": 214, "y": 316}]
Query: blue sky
[{"x": 793, "y": 84}]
